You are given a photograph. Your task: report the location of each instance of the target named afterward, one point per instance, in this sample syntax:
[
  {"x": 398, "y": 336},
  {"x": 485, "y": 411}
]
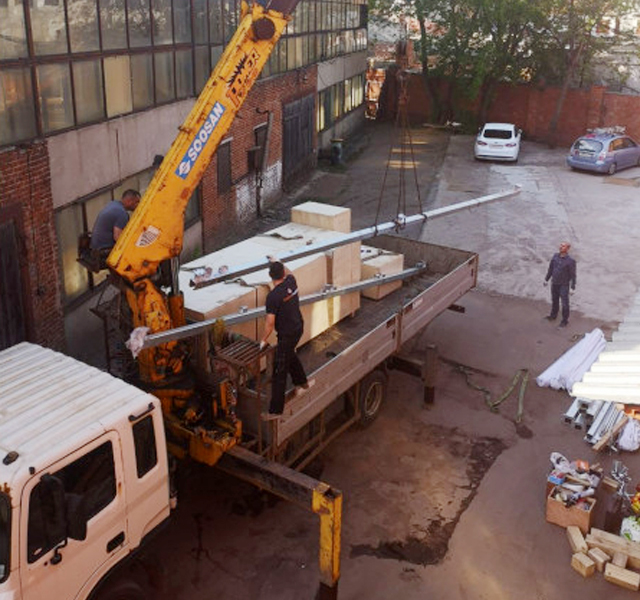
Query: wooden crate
[
  {"x": 324, "y": 216},
  {"x": 380, "y": 262},
  {"x": 559, "y": 514}
]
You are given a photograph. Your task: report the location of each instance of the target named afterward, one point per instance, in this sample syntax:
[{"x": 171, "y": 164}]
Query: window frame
[
  {"x": 5, "y": 508},
  {"x": 143, "y": 432},
  {"x": 74, "y": 461},
  {"x": 224, "y": 175}
]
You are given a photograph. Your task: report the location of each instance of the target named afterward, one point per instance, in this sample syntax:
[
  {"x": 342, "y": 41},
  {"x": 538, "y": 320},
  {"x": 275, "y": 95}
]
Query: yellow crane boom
[{"x": 156, "y": 229}]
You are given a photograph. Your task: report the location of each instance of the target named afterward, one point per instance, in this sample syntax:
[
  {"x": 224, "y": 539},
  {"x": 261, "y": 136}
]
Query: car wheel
[{"x": 612, "y": 169}]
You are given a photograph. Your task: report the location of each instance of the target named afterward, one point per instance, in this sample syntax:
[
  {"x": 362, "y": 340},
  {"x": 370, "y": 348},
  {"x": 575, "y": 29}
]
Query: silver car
[{"x": 604, "y": 153}]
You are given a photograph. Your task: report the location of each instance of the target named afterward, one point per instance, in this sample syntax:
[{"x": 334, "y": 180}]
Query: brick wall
[
  {"x": 25, "y": 191},
  {"x": 220, "y": 216},
  {"x": 532, "y": 107}
]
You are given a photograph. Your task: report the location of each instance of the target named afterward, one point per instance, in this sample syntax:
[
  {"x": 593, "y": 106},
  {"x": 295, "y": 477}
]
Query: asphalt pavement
[{"x": 447, "y": 501}]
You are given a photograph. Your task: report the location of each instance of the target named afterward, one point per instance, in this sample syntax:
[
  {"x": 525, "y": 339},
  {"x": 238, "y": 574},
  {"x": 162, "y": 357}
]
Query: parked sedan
[
  {"x": 498, "y": 141},
  {"x": 604, "y": 153}
]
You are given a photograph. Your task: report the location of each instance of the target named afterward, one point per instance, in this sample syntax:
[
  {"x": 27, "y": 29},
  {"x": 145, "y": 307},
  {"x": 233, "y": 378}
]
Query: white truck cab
[{"x": 83, "y": 476}]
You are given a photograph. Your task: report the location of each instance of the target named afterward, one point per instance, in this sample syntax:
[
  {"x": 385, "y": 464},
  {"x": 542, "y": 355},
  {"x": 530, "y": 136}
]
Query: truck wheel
[
  {"x": 125, "y": 589},
  {"x": 373, "y": 389}
]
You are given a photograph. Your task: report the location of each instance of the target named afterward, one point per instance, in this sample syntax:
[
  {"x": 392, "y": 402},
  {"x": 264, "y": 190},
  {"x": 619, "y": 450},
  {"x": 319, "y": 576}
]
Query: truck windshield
[{"x": 5, "y": 535}]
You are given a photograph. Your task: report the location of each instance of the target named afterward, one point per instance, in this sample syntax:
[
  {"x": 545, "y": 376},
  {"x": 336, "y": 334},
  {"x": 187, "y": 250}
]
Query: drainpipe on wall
[{"x": 263, "y": 163}]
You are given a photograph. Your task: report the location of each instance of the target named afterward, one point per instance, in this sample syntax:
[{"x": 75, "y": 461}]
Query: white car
[{"x": 498, "y": 141}]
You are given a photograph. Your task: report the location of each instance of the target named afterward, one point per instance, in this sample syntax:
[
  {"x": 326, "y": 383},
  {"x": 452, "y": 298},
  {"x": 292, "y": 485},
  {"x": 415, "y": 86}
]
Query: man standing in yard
[
  {"x": 562, "y": 272},
  {"x": 283, "y": 315}
]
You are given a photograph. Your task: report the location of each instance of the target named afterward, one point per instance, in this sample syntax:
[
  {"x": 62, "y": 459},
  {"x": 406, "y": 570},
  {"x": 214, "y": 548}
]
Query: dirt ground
[{"x": 446, "y": 501}]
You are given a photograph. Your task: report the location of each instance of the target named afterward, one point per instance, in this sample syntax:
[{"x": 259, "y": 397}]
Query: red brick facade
[
  {"x": 532, "y": 107},
  {"x": 25, "y": 199},
  {"x": 219, "y": 213}
]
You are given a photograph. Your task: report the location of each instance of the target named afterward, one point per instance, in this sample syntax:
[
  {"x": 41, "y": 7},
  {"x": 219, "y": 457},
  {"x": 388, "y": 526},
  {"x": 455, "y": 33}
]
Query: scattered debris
[
  {"x": 602, "y": 421},
  {"x": 592, "y": 549}
]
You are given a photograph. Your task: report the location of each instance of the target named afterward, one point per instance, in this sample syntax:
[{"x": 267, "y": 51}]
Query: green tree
[
  {"x": 476, "y": 44},
  {"x": 567, "y": 41}
]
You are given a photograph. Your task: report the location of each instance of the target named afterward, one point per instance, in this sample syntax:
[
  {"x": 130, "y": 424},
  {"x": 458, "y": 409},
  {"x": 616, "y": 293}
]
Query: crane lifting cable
[{"x": 406, "y": 161}]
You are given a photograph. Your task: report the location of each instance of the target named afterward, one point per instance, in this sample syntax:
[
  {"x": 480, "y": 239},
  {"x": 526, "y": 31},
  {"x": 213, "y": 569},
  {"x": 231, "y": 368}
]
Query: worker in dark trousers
[
  {"x": 283, "y": 315},
  {"x": 562, "y": 272}
]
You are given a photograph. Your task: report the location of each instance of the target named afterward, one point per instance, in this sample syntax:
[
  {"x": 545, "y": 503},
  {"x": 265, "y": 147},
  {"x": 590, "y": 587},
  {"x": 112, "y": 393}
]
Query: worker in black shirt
[
  {"x": 283, "y": 315},
  {"x": 562, "y": 272}
]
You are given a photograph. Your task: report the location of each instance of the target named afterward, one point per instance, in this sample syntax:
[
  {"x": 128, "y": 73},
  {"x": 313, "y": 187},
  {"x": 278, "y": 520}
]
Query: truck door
[{"x": 61, "y": 568}]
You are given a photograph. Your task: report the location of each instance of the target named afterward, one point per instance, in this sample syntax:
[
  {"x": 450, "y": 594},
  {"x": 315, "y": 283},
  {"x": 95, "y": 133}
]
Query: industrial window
[
  {"x": 339, "y": 99},
  {"x": 92, "y": 477},
  {"x": 122, "y": 75},
  {"x": 142, "y": 80},
  {"x": 69, "y": 225},
  {"x": 182, "y": 21},
  {"x": 256, "y": 155},
  {"x": 193, "y": 211},
  {"x": 139, "y": 23},
  {"x": 112, "y": 21},
  {"x": 83, "y": 33},
  {"x": 87, "y": 79},
  {"x": 144, "y": 441},
  {"x": 200, "y": 31},
  {"x": 223, "y": 156},
  {"x": 54, "y": 90},
  {"x": 230, "y": 18},
  {"x": 117, "y": 77},
  {"x": 202, "y": 67},
  {"x": 48, "y": 28},
  {"x": 162, "y": 18},
  {"x": 13, "y": 34},
  {"x": 165, "y": 81},
  {"x": 184, "y": 73},
  {"x": 216, "y": 28},
  {"x": 17, "y": 116}
]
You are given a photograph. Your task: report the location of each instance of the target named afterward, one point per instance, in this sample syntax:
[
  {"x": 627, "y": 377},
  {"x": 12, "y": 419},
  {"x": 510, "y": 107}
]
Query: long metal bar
[
  {"x": 186, "y": 331},
  {"x": 355, "y": 236}
]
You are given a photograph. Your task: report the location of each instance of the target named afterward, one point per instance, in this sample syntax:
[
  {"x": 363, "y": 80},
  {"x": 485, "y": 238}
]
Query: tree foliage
[{"x": 475, "y": 44}]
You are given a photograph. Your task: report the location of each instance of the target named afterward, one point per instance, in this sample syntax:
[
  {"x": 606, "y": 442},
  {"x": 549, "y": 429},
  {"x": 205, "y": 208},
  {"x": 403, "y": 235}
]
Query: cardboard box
[
  {"x": 558, "y": 514},
  {"x": 324, "y": 216},
  {"x": 380, "y": 262}
]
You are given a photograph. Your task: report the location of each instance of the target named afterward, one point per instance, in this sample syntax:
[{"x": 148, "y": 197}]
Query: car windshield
[
  {"x": 5, "y": 535},
  {"x": 498, "y": 134},
  {"x": 588, "y": 146}
]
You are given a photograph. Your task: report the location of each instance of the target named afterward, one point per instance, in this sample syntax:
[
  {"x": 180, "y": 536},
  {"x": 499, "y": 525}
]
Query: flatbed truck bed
[{"x": 350, "y": 361}]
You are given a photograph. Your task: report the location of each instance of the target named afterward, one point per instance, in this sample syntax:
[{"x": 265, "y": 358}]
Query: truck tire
[
  {"x": 373, "y": 389},
  {"x": 124, "y": 589}
]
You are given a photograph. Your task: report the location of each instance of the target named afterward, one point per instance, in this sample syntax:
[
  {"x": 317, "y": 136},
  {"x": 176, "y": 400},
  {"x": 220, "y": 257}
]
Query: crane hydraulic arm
[{"x": 155, "y": 231}]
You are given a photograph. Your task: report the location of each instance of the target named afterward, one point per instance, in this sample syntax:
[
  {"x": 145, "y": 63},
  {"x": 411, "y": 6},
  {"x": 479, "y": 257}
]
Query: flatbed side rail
[{"x": 347, "y": 368}]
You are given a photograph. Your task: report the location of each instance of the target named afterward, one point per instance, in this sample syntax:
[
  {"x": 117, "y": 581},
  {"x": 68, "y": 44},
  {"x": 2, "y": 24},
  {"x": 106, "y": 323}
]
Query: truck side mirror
[{"x": 76, "y": 517}]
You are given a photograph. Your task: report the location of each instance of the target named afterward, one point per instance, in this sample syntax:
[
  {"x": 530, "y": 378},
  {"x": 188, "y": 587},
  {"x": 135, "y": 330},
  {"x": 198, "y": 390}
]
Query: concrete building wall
[
  {"x": 88, "y": 159},
  {"x": 336, "y": 70}
]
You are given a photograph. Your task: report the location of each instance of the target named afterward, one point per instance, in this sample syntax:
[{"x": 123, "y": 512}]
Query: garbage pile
[{"x": 614, "y": 550}]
